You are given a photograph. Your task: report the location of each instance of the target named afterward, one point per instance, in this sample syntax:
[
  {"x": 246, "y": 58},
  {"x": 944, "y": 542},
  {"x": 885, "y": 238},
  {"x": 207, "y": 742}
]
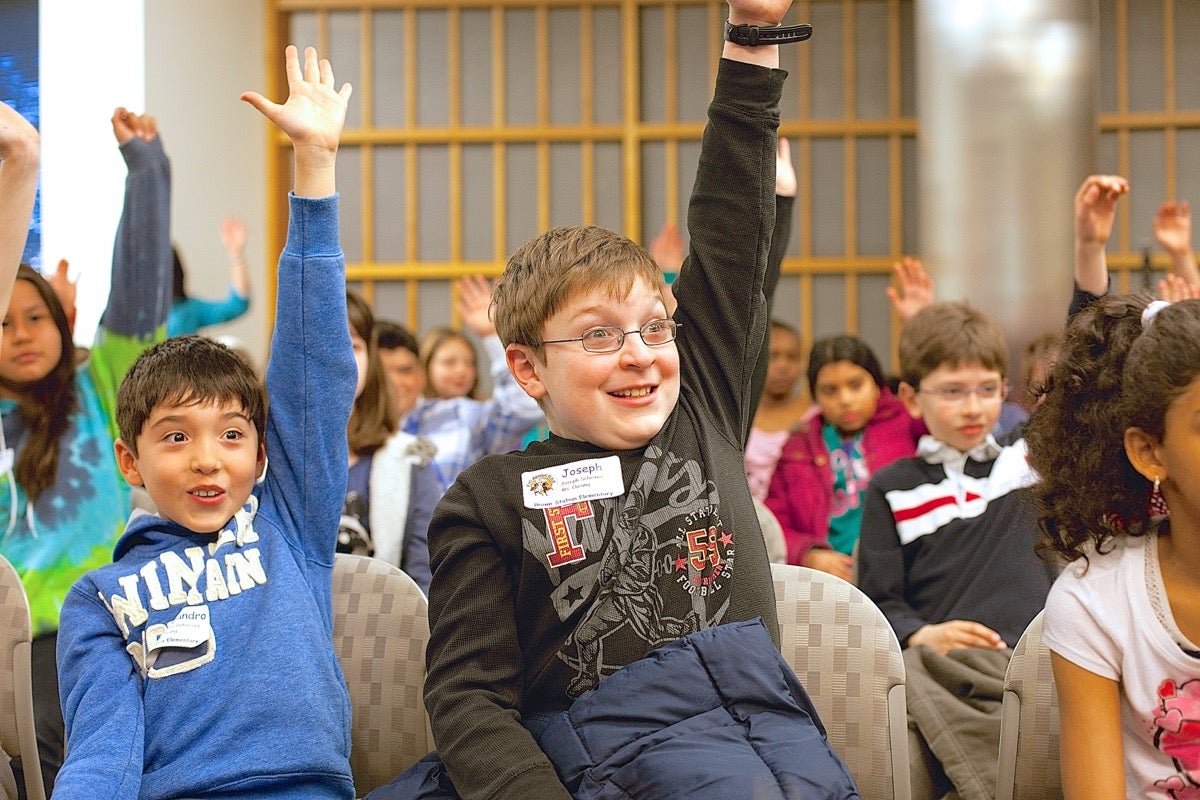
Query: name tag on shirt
[
  {"x": 191, "y": 628},
  {"x": 593, "y": 479}
]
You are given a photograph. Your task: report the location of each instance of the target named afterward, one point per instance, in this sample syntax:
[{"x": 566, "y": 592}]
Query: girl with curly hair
[{"x": 1116, "y": 443}]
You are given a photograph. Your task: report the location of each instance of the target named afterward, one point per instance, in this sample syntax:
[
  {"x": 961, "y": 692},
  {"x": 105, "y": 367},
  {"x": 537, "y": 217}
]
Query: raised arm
[
  {"x": 19, "y": 154},
  {"x": 1173, "y": 231},
  {"x": 234, "y": 232},
  {"x": 1095, "y": 210},
  {"x": 311, "y": 374}
]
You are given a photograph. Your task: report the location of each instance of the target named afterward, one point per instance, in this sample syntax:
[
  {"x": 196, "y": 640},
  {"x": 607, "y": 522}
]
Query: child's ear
[
  {"x": 260, "y": 466},
  {"x": 127, "y": 463},
  {"x": 908, "y": 396},
  {"x": 1145, "y": 454},
  {"x": 526, "y": 369}
]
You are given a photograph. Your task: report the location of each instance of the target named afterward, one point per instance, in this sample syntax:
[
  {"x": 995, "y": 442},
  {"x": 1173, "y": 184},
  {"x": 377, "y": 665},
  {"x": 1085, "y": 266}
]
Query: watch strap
[{"x": 756, "y": 35}]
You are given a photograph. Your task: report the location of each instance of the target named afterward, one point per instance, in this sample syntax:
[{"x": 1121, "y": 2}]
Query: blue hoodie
[{"x": 201, "y": 665}]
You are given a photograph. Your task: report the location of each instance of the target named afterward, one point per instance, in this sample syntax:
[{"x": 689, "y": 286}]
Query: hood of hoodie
[{"x": 149, "y": 534}]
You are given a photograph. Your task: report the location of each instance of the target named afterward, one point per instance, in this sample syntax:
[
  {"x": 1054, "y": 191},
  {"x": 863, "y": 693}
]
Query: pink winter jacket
[{"x": 801, "y": 491}]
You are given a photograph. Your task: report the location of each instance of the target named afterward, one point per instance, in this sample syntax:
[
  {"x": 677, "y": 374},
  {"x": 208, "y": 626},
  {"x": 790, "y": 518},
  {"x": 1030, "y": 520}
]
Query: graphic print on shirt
[
  {"x": 1177, "y": 735},
  {"x": 171, "y": 631},
  {"x": 645, "y": 568}
]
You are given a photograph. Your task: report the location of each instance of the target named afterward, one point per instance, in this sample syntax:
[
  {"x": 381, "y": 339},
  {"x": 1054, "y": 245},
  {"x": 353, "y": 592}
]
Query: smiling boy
[
  {"x": 200, "y": 663},
  {"x": 632, "y": 525}
]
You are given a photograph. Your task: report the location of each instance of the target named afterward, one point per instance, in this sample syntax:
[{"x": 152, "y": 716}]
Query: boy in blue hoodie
[{"x": 200, "y": 663}]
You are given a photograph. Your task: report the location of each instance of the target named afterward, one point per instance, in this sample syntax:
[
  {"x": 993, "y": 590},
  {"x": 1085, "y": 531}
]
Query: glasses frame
[
  {"x": 957, "y": 395},
  {"x": 619, "y": 335}
]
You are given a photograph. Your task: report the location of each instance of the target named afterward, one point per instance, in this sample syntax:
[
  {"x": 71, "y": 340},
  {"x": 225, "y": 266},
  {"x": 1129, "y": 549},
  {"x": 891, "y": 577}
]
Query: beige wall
[{"x": 200, "y": 56}]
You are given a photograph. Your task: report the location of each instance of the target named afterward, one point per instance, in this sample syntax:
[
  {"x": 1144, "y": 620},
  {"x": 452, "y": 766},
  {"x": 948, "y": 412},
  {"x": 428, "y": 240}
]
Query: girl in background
[
  {"x": 63, "y": 502},
  {"x": 451, "y": 365},
  {"x": 391, "y": 493},
  {"x": 856, "y": 427},
  {"x": 1115, "y": 442},
  {"x": 190, "y": 314},
  {"x": 780, "y": 408}
]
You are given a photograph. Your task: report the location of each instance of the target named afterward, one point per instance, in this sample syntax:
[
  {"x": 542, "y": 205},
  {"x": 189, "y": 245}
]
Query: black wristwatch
[{"x": 755, "y": 35}]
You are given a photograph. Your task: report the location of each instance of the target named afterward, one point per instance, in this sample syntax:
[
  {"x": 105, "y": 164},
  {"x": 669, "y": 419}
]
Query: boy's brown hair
[
  {"x": 187, "y": 370},
  {"x": 545, "y": 273},
  {"x": 950, "y": 335}
]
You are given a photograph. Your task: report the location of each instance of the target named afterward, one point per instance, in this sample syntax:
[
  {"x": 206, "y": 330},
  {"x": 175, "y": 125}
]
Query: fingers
[
  {"x": 122, "y": 129},
  {"x": 291, "y": 64}
]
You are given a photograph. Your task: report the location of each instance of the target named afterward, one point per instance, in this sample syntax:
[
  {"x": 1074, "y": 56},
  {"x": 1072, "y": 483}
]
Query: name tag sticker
[
  {"x": 190, "y": 628},
  {"x": 6, "y": 459},
  {"x": 593, "y": 479}
]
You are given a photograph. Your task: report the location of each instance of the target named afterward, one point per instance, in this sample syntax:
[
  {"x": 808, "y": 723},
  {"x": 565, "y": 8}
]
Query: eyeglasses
[
  {"x": 607, "y": 339},
  {"x": 957, "y": 395}
]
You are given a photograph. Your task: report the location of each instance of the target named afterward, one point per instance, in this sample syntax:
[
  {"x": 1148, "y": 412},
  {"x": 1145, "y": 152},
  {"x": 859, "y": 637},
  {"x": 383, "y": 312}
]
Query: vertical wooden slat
[
  {"x": 587, "y": 114},
  {"x": 1168, "y": 78},
  {"x": 542, "y": 62},
  {"x": 631, "y": 154},
  {"x": 454, "y": 79},
  {"x": 278, "y": 158},
  {"x": 367, "y": 151},
  {"x": 499, "y": 153},
  {"x": 850, "y": 161},
  {"x": 1122, "y": 59},
  {"x": 411, "y": 201}
]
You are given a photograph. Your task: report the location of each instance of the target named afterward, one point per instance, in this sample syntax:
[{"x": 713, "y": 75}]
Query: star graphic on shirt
[
  {"x": 726, "y": 539},
  {"x": 680, "y": 563},
  {"x": 573, "y": 595}
]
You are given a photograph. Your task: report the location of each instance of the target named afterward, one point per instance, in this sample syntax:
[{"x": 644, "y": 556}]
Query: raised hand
[
  {"x": 312, "y": 117},
  {"x": 913, "y": 290},
  {"x": 667, "y": 248},
  {"x": 65, "y": 288},
  {"x": 1173, "y": 227},
  {"x": 475, "y": 303},
  {"x": 233, "y": 235},
  {"x": 127, "y": 125},
  {"x": 20, "y": 155},
  {"x": 1174, "y": 288},
  {"x": 1096, "y": 207}
]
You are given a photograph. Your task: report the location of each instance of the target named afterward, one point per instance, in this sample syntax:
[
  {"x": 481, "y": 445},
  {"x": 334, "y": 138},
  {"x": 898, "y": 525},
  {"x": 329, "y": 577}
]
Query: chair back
[
  {"x": 843, "y": 650},
  {"x": 1030, "y": 765},
  {"x": 18, "y": 739},
  {"x": 772, "y": 534},
  {"x": 380, "y": 630}
]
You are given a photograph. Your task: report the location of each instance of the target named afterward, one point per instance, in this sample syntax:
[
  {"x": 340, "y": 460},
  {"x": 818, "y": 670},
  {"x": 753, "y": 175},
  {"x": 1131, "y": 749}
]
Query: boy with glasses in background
[{"x": 947, "y": 543}]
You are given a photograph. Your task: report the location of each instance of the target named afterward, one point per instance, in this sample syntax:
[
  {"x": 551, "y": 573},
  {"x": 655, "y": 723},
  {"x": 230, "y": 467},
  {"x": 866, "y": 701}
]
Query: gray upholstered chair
[
  {"x": 380, "y": 629},
  {"x": 17, "y": 736},
  {"x": 1030, "y": 765},
  {"x": 845, "y": 653}
]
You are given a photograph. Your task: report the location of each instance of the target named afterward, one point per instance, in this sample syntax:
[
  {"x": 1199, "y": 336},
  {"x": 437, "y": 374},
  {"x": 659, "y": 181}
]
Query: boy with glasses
[
  {"x": 632, "y": 525},
  {"x": 947, "y": 543}
]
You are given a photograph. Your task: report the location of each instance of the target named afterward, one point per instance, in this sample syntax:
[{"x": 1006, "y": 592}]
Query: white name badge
[
  {"x": 190, "y": 628},
  {"x": 6, "y": 459},
  {"x": 594, "y": 479}
]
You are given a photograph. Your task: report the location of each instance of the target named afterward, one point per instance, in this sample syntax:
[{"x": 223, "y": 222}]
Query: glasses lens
[
  {"x": 660, "y": 331},
  {"x": 603, "y": 340}
]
